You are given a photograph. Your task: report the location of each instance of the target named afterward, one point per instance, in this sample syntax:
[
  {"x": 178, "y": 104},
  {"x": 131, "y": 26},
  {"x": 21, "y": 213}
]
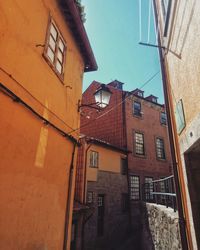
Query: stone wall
[
  {"x": 116, "y": 222},
  {"x": 163, "y": 227}
]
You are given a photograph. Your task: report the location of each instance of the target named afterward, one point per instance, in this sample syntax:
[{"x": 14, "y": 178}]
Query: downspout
[
  {"x": 68, "y": 203},
  {"x": 170, "y": 121},
  {"x": 84, "y": 193}
]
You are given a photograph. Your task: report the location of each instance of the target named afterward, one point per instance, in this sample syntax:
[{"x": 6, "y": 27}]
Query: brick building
[{"x": 137, "y": 124}]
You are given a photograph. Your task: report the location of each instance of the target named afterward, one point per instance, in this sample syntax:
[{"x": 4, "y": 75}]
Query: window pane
[
  {"x": 134, "y": 187},
  {"x": 139, "y": 143},
  {"x": 160, "y": 148},
  {"x": 137, "y": 108},
  {"x": 60, "y": 56},
  {"x": 94, "y": 159},
  {"x": 61, "y": 45},
  {"x": 52, "y": 43},
  {"x": 53, "y": 31},
  {"x": 50, "y": 54},
  {"x": 59, "y": 67}
]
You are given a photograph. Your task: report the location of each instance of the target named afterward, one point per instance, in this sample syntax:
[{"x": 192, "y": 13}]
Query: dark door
[{"x": 100, "y": 219}]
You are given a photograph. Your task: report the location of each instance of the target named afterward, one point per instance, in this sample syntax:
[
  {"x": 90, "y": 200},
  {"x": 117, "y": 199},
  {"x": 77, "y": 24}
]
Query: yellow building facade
[{"x": 44, "y": 52}]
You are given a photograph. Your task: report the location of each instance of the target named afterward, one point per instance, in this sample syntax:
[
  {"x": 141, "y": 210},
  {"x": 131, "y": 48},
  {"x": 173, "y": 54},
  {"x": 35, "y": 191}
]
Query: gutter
[
  {"x": 80, "y": 34},
  {"x": 68, "y": 202}
]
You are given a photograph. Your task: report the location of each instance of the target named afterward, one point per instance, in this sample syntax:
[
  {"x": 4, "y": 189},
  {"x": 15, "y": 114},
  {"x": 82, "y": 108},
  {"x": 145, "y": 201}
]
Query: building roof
[
  {"x": 105, "y": 144},
  {"x": 73, "y": 17}
]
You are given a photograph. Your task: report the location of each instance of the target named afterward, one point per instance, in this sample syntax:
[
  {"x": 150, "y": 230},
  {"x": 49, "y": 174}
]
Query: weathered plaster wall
[{"x": 163, "y": 227}]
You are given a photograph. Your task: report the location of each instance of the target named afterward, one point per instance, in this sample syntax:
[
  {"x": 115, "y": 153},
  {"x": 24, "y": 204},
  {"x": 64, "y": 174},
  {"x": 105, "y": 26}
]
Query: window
[
  {"x": 148, "y": 189},
  {"x": 180, "y": 116},
  {"x": 94, "y": 159},
  {"x": 137, "y": 108},
  {"x": 139, "y": 144},
  {"x": 123, "y": 166},
  {"x": 163, "y": 118},
  {"x": 55, "y": 49},
  {"x": 90, "y": 197},
  {"x": 124, "y": 203},
  {"x": 100, "y": 218},
  {"x": 166, "y": 9},
  {"x": 154, "y": 100},
  {"x": 160, "y": 150},
  {"x": 134, "y": 187}
]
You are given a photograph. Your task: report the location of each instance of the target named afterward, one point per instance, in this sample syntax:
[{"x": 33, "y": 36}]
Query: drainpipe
[
  {"x": 172, "y": 135},
  {"x": 84, "y": 194},
  {"x": 68, "y": 203}
]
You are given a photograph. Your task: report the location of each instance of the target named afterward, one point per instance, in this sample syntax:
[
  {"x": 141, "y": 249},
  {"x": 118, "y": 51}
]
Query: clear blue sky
[{"x": 113, "y": 30}]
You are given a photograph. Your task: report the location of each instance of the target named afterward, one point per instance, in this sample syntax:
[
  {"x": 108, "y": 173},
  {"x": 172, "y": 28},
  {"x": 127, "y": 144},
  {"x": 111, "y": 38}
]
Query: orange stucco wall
[
  {"x": 35, "y": 158},
  {"x": 109, "y": 160}
]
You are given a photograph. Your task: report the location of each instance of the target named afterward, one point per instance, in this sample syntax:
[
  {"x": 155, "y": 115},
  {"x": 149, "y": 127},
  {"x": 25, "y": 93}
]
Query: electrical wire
[
  {"x": 114, "y": 107},
  {"x": 50, "y": 111}
]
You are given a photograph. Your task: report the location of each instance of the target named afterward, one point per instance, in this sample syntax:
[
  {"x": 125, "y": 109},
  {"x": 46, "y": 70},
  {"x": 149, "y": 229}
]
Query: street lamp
[{"x": 102, "y": 98}]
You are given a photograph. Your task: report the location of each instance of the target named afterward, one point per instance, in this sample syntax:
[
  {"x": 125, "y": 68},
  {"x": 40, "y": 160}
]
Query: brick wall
[{"x": 105, "y": 125}]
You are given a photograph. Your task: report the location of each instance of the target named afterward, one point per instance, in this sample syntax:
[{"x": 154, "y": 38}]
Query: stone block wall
[{"x": 163, "y": 227}]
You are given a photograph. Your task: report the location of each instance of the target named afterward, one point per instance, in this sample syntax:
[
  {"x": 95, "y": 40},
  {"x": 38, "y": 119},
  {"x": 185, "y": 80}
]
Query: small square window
[
  {"x": 94, "y": 159},
  {"x": 55, "y": 49},
  {"x": 137, "y": 108},
  {"x": 90, "y": 197}
]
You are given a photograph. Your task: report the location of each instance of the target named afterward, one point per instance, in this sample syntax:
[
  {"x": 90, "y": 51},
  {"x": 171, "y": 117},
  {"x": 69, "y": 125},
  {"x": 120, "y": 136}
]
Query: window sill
[
  {"x": 161, "y": 160},
  {"x": 93, "y": 166},
  {"x": 140, "y": 156},
  {"x": 138, "y": 116}
]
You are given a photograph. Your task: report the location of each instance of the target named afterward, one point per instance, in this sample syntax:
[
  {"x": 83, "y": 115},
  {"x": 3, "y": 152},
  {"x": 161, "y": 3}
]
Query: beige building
[
  {"x": 179, "y": 34},
  {"x": 101, "y": 218}
]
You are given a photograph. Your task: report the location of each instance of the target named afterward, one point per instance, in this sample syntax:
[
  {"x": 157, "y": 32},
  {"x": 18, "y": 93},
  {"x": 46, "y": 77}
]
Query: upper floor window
[
  {"x": 134, "y": 187},
  {"x": 137, "y": 108},
  {"x": 55, "y": 49},
  {"x": 163, "y": 118},
  {"x": 94, "y": 159},
  {"x": 160, "y": 150},
  {"x": 139, "y": 144}
]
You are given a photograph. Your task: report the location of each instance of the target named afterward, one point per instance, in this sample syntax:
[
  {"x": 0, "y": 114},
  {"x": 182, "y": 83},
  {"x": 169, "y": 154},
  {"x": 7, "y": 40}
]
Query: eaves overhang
[{"x": 72, "y": 15}]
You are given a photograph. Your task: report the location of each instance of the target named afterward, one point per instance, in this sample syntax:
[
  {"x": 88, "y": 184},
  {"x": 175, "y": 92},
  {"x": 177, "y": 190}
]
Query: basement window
[{"x": 55, "y": 49}]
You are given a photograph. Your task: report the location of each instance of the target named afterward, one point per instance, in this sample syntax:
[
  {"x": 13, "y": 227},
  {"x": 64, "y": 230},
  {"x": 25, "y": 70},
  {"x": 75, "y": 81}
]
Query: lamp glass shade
[{"x": 102, "y": 97}]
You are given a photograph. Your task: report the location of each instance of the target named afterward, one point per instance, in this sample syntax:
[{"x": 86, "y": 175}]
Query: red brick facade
[
  {"x": 116, "y": 124},
  {"x": 107, "y": 125}
]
